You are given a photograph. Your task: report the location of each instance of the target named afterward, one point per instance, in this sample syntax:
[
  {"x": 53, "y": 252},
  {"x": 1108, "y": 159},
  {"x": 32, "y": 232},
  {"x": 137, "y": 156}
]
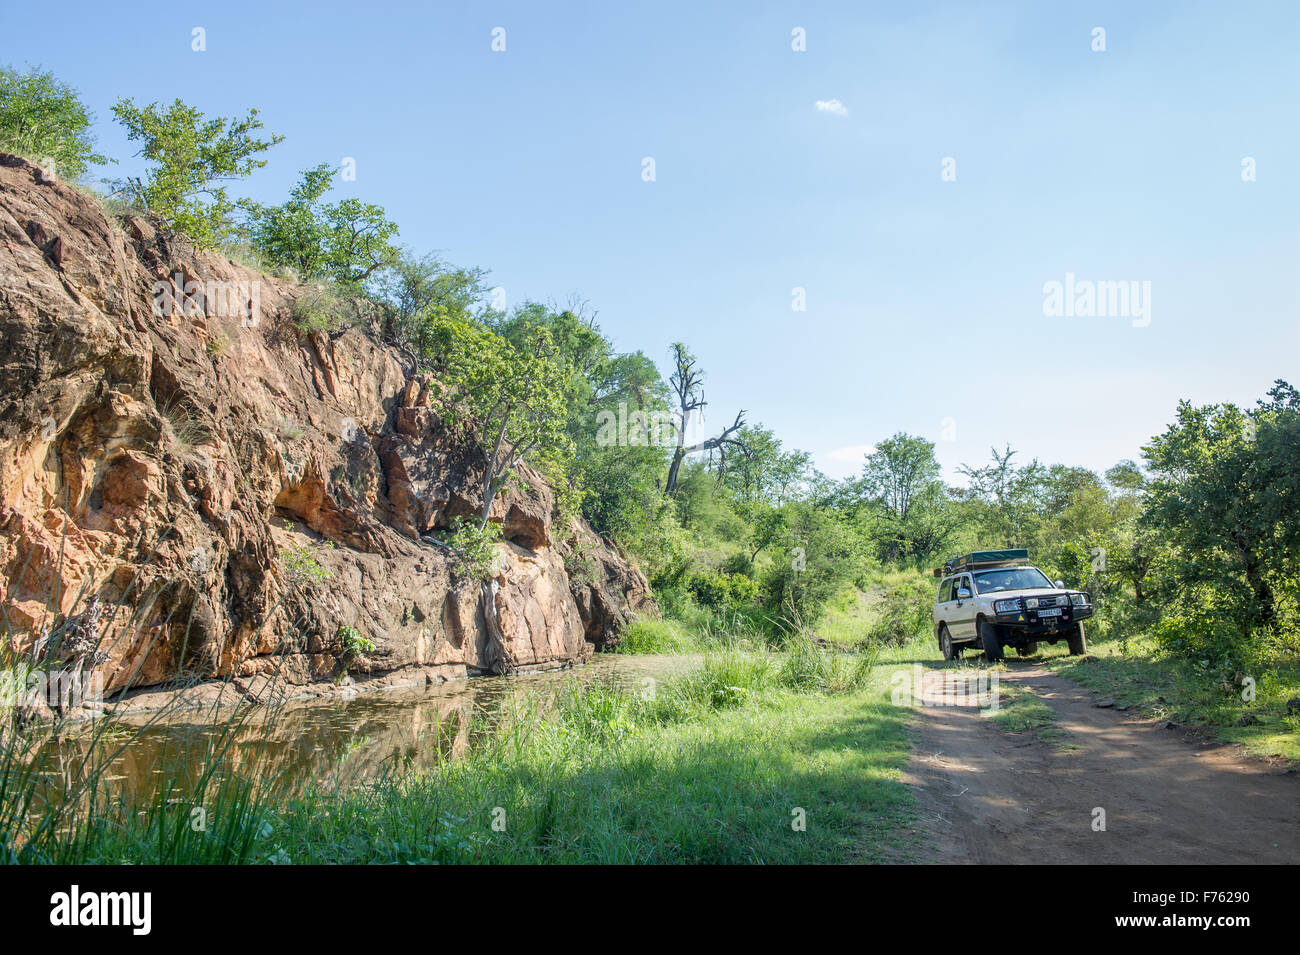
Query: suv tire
[
  {"x": 1075, "y": 639},
  {"x": 950, "y": 652},
  {"x": 991, "y": 641}
]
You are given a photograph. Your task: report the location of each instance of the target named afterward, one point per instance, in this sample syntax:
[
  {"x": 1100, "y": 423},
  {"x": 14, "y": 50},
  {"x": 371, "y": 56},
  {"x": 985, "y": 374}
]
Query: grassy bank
[{"x": 755, "y": 757}]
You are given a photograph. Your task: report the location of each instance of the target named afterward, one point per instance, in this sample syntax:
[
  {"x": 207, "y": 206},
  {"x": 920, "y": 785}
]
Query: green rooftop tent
[{"x": 983, "y": 558}]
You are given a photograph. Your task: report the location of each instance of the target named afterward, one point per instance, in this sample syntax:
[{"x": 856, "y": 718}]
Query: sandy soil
[{"x": 991, "y": 796}]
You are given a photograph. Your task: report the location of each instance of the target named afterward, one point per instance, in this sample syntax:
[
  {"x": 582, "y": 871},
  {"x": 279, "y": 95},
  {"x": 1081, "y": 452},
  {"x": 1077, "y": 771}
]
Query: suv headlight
[
  {"x": 1031, "y": 603},
  {"x": 1007, "y": 606},
  {"x": 1079, "y": 600}
]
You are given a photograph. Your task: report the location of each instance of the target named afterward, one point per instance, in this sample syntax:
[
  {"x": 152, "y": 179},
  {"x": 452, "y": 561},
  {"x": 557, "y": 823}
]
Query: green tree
[
  {"x": 348, "y": 241},
  {"x": 1126, "y": 475},
  {"x": 908, "y": 516},
  {"x": 1222, "y": 492},
  {"x": 1011, "y": 500},
  {"x": 192, "y": 157},
  {"x": 512, "y": 398},
  {"x": 818, "y": 556},
  {"x": 512, "y": 401},
  {"x": 614, "y": 406},
  {"x": 767, "y": 472},
  {"x": 422, "y": 290},
  {"x": 44, "y": 118}
]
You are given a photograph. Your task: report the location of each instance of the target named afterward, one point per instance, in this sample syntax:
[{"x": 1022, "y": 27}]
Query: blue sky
[{"x": 923, "y": 295}]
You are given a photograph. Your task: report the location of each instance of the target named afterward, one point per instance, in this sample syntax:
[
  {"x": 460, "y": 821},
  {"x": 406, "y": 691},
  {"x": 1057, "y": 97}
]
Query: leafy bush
[
  {"x": 820, "y": 553},
  {"x": 722, "y": 591},
  {"x": 324, "y": 308},
  {"x": 582, "y": 567},
  {"x": 904, "y": 613},
  {"x": 354, "y": 644},
  {"x": 46, "y": 120},
  {"x": 191, "y": 157},
  {"x": 475, "y": 544},
  {"x": 739, "y": 563},
  {"x": 1210, "y": 637},
  {"x": 302, "y": 566}
]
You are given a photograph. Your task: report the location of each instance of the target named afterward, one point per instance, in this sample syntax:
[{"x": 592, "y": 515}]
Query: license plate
[{"x": 1056, "y": 612}]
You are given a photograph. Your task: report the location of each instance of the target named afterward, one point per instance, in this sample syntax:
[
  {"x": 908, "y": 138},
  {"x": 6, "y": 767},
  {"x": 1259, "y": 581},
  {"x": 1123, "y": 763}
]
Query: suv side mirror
[
  {"x": 1060, "y": 584},
  {"x": 963, "y": 593}
]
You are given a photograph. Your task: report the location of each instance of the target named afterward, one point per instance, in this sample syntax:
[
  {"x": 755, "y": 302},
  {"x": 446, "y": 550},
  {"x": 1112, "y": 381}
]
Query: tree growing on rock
[
  {"x": 419, "y": 291},
  {"x": 512, "y": 400},
  {"x": 45, "y": 119},
  {"x": 348, "y": 241},
  {"x": 192, "y": 158}
]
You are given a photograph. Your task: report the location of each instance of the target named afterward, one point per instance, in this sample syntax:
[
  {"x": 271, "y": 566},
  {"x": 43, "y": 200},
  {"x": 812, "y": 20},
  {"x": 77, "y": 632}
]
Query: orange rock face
[{"x": 237, "y": 492}]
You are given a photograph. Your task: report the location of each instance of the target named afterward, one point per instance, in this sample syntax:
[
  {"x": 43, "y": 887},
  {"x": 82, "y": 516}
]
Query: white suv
[{"x": 995, "y": 599}]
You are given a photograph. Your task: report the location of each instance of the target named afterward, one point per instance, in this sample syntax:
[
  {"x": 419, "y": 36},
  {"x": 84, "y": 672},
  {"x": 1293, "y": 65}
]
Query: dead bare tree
[{"x": 687, "y": 382}]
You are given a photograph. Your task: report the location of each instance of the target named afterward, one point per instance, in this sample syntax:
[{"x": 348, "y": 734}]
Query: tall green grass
[
  {"x": 707, "y": 767},
  {"x": 59, "y": 802},
  {"x": 713, "y": 767}
]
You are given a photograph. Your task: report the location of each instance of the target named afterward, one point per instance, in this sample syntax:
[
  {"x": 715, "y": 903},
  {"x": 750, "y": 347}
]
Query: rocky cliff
[{"x": 191, "y": 487}]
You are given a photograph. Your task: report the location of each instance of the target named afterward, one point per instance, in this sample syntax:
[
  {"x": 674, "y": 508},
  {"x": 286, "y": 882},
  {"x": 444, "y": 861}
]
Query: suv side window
[
  {"x": 965, "y": 582},
  {"x": 945, "y": 590}
]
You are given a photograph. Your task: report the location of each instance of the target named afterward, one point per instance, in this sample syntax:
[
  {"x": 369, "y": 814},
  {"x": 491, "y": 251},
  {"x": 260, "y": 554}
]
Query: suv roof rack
[{"x": 983, "y": 558}]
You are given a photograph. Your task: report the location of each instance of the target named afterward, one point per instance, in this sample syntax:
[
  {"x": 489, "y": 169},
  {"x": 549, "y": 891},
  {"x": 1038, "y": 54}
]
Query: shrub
[
  {"x": 1212, "y": 640},
  {"x": 475, "y": 546},
  {"x": 191, "y": 155},
  {"x": 46, "y": 120},
  {"x": 581, "y": 567},
  {"x": 354, "y": 643},
  {"x": 722, "y": 591},
  {"x": 904, "y": 613},
  {"x": 324, "y": 308},
  {"x": 302, "y": 566}
]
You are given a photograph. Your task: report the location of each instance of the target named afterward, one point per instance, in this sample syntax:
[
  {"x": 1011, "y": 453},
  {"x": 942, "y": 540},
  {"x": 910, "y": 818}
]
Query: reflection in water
[{"x": 332, "y": 743}]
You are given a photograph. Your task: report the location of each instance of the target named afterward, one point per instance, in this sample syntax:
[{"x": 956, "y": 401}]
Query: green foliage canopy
[
  {"x": 192, "y": 158},
  {"x": 348, "y": 241},
  {"x": 45, "y": 119}
]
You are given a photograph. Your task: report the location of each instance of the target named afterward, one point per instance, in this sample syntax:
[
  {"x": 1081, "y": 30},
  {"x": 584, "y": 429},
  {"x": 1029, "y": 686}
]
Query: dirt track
[{"x": 991, "y": 796}]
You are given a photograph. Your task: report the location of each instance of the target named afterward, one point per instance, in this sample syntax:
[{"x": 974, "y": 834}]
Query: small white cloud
[
  {"x": 854, "y": 453},
  {"x": 831, "y": 106}
]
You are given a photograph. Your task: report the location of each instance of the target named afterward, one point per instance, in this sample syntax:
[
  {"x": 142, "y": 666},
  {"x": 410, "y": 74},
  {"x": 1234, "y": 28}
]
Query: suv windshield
[{"x": 1012, "y": 578}]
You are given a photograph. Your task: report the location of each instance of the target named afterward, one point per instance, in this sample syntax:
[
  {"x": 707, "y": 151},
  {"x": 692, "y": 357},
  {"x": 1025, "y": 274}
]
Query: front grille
[{"x": 1051, "y": 601}]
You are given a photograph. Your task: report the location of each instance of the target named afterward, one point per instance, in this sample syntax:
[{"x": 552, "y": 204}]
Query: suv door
[
  {"x": 944, "y": 607},
  {"x": 961, "y": 618}
]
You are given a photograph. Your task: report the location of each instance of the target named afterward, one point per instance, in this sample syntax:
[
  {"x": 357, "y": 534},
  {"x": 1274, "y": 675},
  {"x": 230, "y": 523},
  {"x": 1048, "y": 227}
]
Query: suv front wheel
[
  {"x": 991, "y": 641},
  {"x": 1075, "y": 640}
]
